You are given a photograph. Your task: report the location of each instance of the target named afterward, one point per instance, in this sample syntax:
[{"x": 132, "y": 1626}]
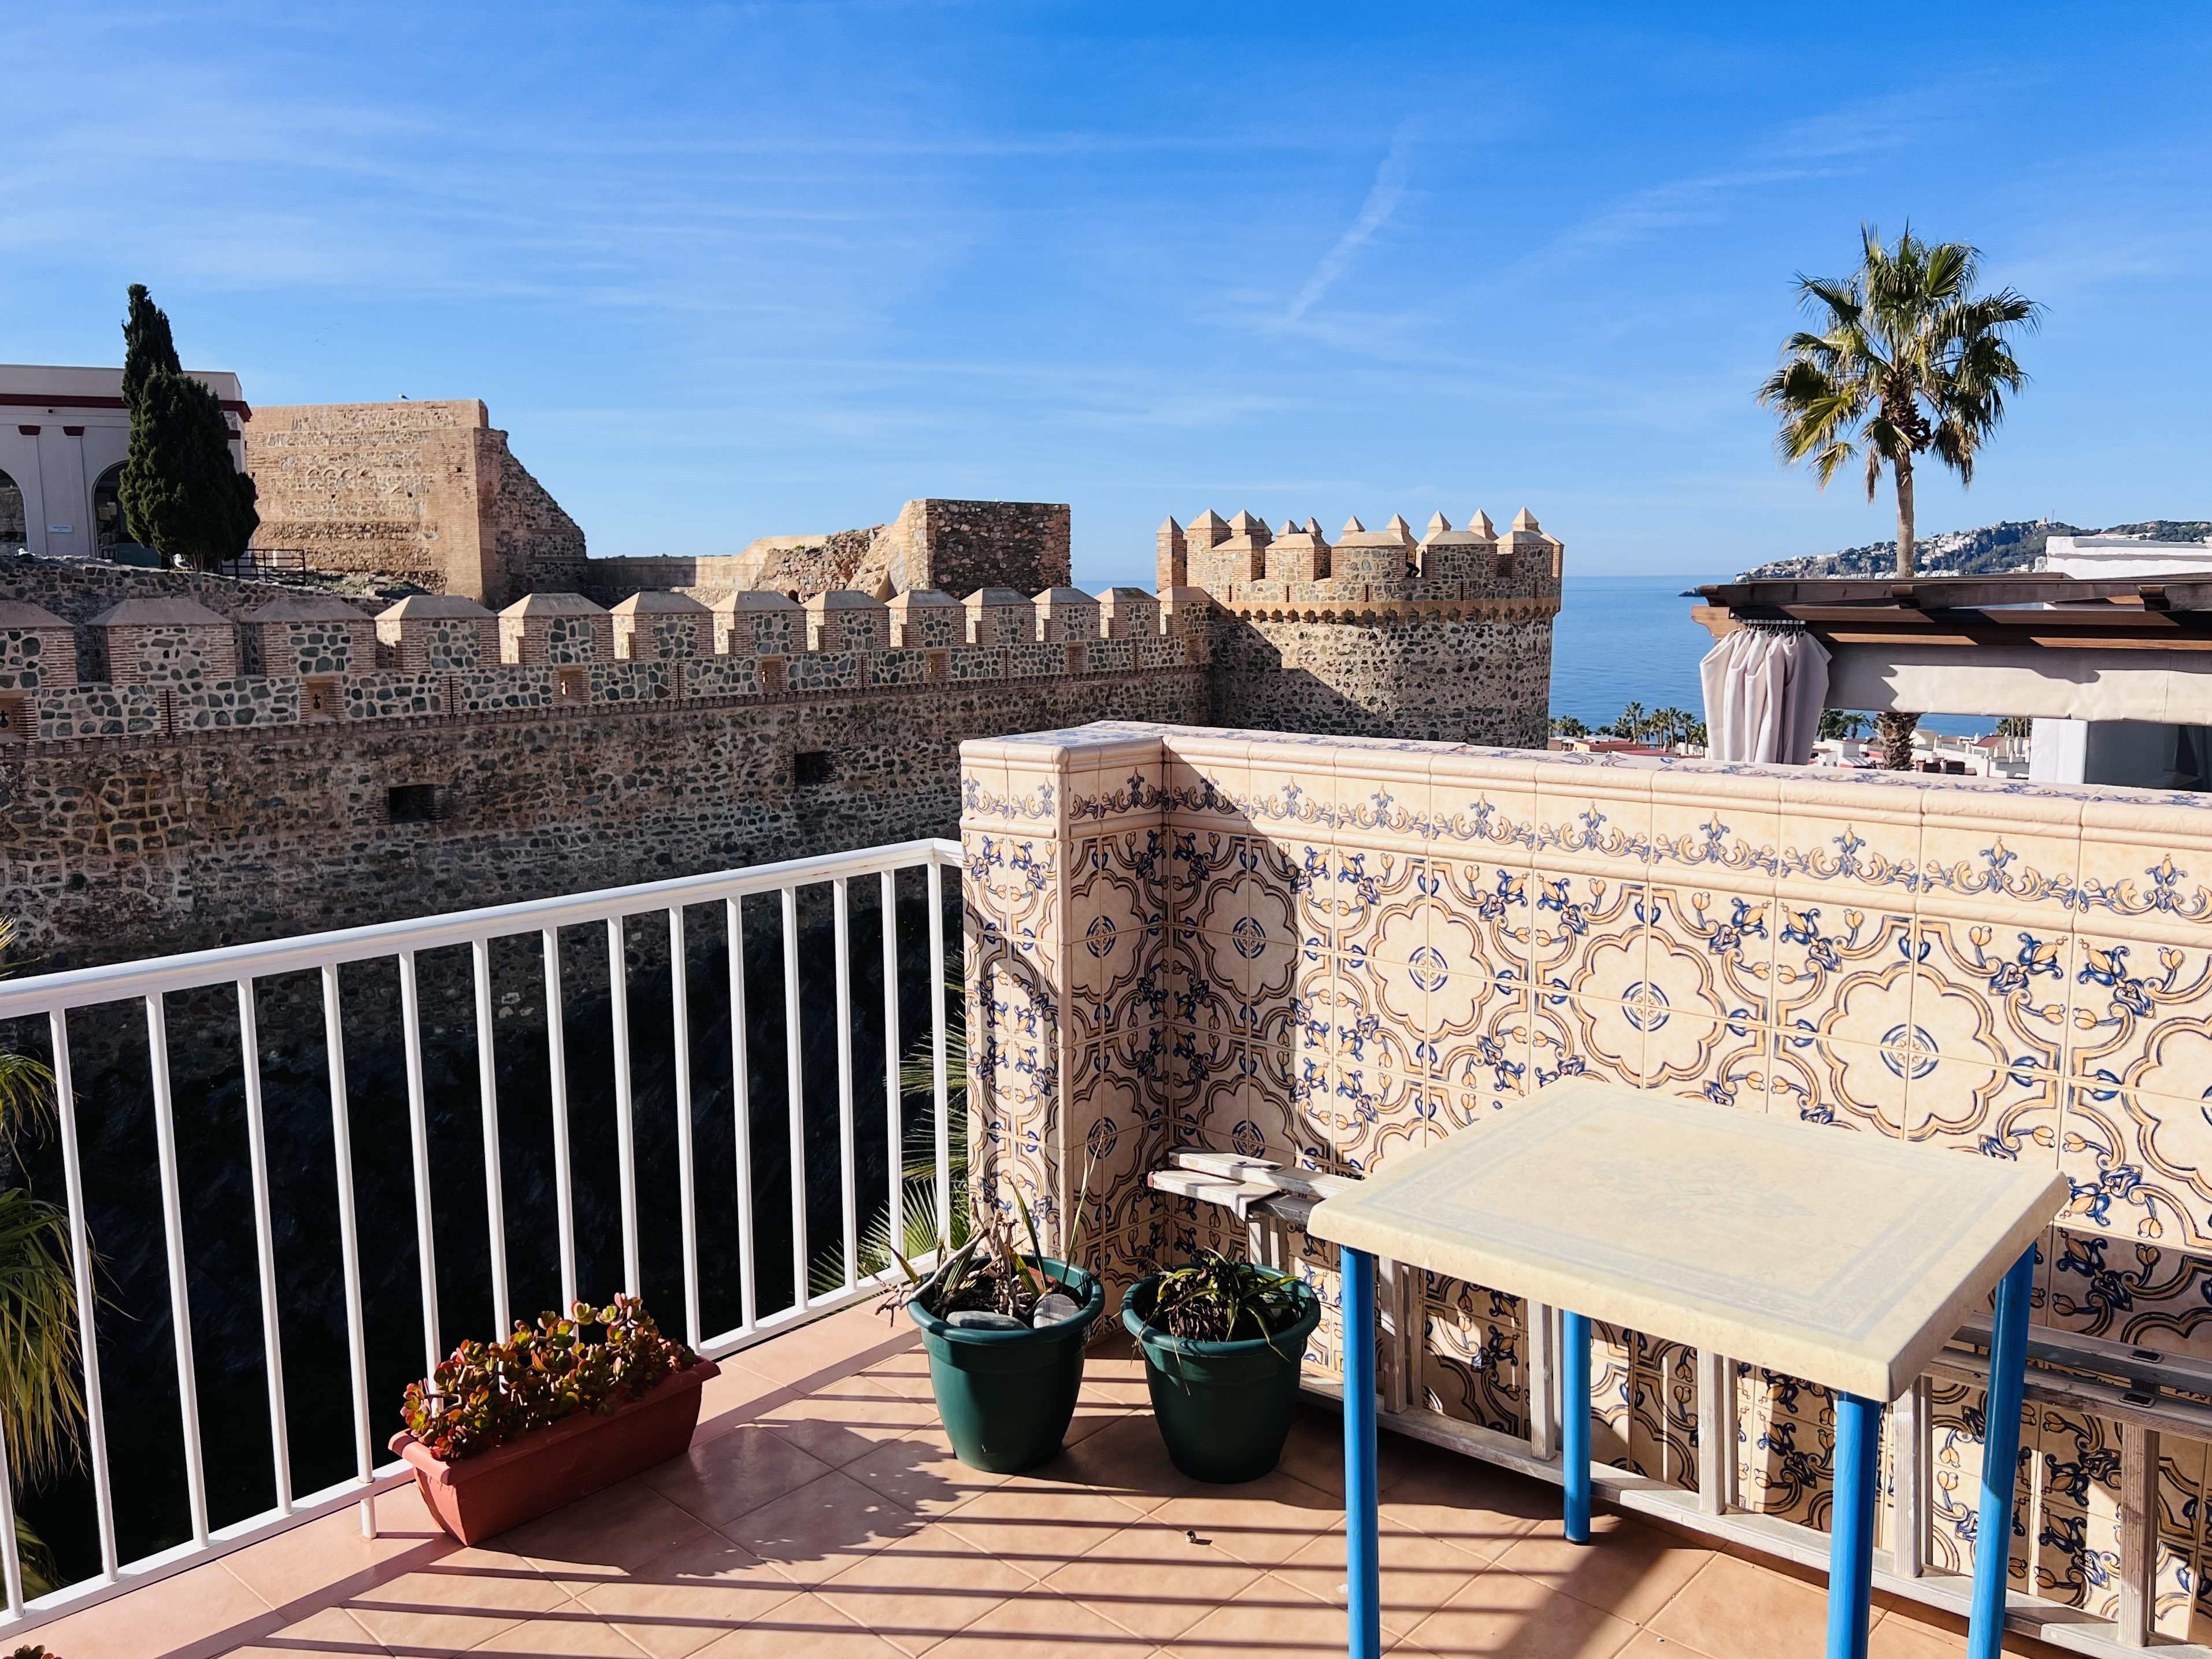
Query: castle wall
[
  {"x": 1450, "y": 675},
  {"x": 956, "y": 546},
  {"x": 148, "y": 841},
  {"x": 426, "y": 491},
  {"x": 78, "y": 593}
]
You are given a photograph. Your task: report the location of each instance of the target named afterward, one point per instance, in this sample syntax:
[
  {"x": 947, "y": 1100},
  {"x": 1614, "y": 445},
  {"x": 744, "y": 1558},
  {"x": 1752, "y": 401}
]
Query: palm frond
[{"x": 41, "y": 1403}]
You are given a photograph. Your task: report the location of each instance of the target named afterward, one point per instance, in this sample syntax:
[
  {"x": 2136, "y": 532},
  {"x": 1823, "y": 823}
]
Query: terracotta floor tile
[
  {"x": 680, "y": 1601},
  {"x": 847, "y": 1341},
  {"x": 617, "y": 1527},
  {"x": 1125, "y": 1459},
  {"x": 1314, "y": 1451},
  {"x": 804, "y": 1627},
  {"x": 1419, "y": 1575},
  {"x": 1507, "y": 1615},
  {"x": 1152, "y": 1580},
  {"x": 455, "y": 1603},
  {"x": 1645, "y": 1645},
  {"x": 1278, "y": 1622},
  {"x": 202, "y": 1610},
  {"x": 923, "y": 1589},
  {"x": 922, "y": 1474},
  {"x": 848, "y": 1418},
  {"x": 568, "y": 1632},
  {"x": 330, "y": 1555},
  {"x": 1040, "y": 1624},
  {"x": 1734, "y": 1609},
  {"x": 1470, "y": 1505},
  {"x": 1627, "y": 1568},
  {"x": 721, "y": 1478},
  {"x": 1901, "y": 1636},
  {"x": 1038, "y": 1528},
  {"x": 812, "y": 1535},
  {"x": 1262, "y": 1521},
  {"x": 904, "y": 1373},
  {"x": 736, "y": 1394},
  {"x": 328, "y": 1633}
]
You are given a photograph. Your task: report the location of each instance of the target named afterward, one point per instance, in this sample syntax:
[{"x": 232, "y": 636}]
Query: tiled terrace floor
[{"x": 821, "y": 1514}]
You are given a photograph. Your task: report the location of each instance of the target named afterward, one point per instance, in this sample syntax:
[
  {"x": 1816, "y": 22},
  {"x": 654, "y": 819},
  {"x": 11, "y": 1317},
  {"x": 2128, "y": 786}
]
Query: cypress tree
[
  {"x": 181, "y": 495},
  {"x": 147, "y": 346}
]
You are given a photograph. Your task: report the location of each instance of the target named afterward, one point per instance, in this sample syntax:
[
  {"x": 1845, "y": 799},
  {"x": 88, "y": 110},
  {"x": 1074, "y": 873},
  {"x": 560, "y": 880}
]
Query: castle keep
[{"x": 187, "y": 761}]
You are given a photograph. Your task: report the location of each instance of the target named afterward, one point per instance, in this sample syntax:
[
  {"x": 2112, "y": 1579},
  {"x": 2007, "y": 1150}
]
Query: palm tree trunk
[{"x": 1898, "y": 726}]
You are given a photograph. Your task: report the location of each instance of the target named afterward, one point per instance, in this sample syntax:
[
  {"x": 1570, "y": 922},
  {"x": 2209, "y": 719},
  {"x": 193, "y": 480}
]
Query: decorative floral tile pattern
[{"x": 1330, "y": 952}]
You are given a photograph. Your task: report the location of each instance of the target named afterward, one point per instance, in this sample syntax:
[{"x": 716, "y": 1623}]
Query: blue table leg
[
  {"x": 1850, "y": 1539},
  {"x": 1363, "y": 1569},
  {"x": 1574, "y": 1422},
  {"x": 2000, "y": 1459}
]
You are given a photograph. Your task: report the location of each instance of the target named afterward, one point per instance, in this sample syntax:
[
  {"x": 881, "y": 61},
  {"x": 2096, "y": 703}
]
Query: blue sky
[{"x": 730, "y": 271}]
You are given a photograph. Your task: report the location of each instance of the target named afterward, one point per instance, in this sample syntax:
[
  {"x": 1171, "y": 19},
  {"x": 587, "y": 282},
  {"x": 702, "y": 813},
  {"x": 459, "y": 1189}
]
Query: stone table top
[{"x": 1834, "y": 1255}]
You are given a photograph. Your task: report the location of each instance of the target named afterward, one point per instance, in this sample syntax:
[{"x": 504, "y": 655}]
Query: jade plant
[{"x": 593, "y": 1359}]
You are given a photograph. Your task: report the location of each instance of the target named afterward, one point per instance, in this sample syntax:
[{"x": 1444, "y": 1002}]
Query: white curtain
[{"x": 1765, "y": 689}]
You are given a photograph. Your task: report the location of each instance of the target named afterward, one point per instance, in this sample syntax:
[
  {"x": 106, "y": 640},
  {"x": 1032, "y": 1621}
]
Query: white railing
[{"x": 53, "y": 997}]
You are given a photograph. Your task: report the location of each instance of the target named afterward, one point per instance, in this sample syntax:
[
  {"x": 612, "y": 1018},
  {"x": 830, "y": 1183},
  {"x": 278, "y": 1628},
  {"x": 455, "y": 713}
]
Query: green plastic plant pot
[
  {"x": 1224, "y": 1408},
  {"x": 1006, "y": 1397}
]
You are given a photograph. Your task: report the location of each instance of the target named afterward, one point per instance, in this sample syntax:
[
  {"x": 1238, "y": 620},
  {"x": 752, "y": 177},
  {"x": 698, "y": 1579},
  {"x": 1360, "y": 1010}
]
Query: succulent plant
[{"x": 591, "y": 1359}]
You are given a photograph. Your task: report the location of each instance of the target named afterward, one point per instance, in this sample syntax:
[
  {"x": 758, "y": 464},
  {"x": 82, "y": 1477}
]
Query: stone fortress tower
[
  {"x": 191, "y": 760},
  {"x": 1446, "y": 638}
]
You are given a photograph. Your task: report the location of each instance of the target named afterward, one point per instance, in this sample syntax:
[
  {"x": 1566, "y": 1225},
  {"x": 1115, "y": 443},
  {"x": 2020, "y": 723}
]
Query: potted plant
[
  {"x": 503, "y": 1432},
  {"x": 1222, "y": 1341},
  {"x": 1006, "y": 1329}
]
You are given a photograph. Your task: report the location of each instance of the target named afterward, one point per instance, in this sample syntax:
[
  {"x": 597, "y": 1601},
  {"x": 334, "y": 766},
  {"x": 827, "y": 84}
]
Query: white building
[
  {"x": 62, "y": 434},
  {"x": 2144, "y": 753}
]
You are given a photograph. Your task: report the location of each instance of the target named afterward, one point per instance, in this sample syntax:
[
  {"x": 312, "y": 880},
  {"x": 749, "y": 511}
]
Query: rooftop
[{"x": 821, "y": 1513}]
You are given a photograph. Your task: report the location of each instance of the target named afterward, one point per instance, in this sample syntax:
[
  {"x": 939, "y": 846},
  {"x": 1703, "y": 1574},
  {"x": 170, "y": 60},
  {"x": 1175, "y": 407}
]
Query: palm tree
[
  {"x": 1908, "y": 360},
  {"x": 41, "y": 1406}
]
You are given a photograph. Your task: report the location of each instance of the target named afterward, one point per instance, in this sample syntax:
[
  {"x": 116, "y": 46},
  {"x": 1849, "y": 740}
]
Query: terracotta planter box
[{"x": 480, "y": 1496}]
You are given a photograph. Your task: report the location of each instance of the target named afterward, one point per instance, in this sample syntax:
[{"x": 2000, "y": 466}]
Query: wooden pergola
[{"x": 2042, "y": 644}]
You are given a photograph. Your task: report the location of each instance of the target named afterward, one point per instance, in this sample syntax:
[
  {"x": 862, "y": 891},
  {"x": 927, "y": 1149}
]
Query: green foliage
[
  {"x": 1664, "y": 727},
  {"x": 1842, "y": 723},
  {"x": 181, "y": 495},
  {"x": 882, "y": 1243},
  {"x": 41, "y": 1404},
  {"x": 147, "y": 348},
  {"x": 487, "y": 1394},
  {"x": 1218, "y": 1298},
  {"x": 1907, "y": 361},
  {"x": 1566, "y": 725}
]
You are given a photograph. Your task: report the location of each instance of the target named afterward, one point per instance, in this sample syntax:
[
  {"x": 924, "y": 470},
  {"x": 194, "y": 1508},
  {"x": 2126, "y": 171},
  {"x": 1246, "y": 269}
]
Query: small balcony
[
  {"x": 821, "y": 1512},
  {"x": 1182, "y": 951}
]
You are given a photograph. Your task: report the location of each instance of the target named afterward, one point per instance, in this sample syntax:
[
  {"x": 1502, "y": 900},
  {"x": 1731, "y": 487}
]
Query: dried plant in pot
[
  {"x": 1005, "y": 1329},
  {"x": 1222, "y": 1342},
  {"x": 502, "y": 1432}
]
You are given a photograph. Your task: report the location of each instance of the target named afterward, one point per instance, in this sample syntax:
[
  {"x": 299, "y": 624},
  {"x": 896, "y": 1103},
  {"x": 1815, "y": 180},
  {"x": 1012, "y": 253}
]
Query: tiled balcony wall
[{"x": 1326, "y": 951}]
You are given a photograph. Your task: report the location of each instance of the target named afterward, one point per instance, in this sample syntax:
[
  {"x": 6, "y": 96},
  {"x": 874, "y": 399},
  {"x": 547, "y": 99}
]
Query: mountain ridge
[{"x": 2000, "y": 549}]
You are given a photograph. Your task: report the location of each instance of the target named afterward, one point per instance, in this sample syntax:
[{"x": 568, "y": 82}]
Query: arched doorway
[
  {"x": 14, "y": 530},
  {"x": 107, "y": 526}
]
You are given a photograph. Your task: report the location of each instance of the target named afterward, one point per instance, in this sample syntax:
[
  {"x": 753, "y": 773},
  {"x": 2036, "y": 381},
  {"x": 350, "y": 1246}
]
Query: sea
[{"x": 1629, "y": 639}]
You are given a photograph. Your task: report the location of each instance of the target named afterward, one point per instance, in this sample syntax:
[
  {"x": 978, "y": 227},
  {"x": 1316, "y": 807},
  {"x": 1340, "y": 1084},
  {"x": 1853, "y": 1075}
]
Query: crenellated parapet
[
  {"x": 1298, "y": 573},
  {"x": 169, "y": 665}
]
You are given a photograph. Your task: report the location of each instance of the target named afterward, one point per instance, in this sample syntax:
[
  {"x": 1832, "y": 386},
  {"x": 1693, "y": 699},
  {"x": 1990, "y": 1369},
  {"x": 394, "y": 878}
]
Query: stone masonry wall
[
  {"x": 426, "y": 491},
  {"x": 121, "y": 849},
  {"x": 78, "y": 593},
  {"x": 956, "y": 546},
  {"x": 1472, "y": 679}
]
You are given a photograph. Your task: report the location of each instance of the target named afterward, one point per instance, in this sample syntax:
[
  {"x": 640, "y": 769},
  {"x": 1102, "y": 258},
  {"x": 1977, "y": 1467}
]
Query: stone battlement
[
  {"x": 1296, "y": 573},
  {"x": 156, "y": 668}
]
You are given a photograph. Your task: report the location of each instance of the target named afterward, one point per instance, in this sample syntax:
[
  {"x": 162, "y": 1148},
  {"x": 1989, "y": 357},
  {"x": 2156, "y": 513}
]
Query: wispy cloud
[{"x": 1383, "y": 196}]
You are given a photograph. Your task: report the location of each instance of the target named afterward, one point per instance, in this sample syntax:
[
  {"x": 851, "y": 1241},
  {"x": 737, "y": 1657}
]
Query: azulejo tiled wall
[{"x": 1330, "y": 951}]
